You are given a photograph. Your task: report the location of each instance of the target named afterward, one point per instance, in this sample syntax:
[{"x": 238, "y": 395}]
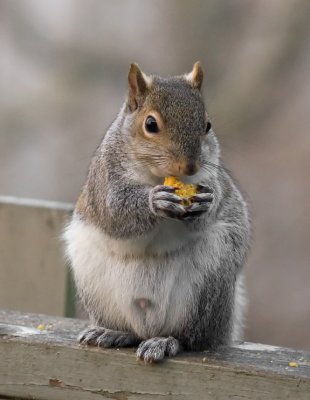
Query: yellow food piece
[
  {"x": 183, "y": 190},
  {"x": 41, "y": 327},
  {"x": 293, "y": 364}
]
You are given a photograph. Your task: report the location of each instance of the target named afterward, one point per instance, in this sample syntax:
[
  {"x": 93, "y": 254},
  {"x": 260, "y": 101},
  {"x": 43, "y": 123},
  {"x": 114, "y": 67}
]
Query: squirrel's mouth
[
  {"x": 189, "y": 179},
  {"x": 179, "y": 168}
]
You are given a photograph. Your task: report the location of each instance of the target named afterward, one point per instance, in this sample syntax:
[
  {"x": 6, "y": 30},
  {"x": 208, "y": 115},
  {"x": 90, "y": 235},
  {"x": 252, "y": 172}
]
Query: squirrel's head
[{"x": 168, "y": 122}]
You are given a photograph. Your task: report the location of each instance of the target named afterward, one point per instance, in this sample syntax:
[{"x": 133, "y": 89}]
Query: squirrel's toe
[
  {"x": 155, "y": 349},
  {"x": 103, "y": 337}
]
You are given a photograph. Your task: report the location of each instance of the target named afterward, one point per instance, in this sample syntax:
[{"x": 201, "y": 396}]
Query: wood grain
[{"x": 50, "y": 365}]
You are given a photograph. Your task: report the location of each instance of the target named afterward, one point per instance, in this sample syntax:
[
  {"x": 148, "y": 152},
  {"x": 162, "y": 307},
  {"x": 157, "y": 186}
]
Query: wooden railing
[
  {"x": 41, "y": 359},
  {"x": 33, "y": 276}
]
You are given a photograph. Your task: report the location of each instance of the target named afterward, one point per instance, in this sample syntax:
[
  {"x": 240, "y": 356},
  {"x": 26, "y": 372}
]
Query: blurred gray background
[{"x": 63, "y": 77}]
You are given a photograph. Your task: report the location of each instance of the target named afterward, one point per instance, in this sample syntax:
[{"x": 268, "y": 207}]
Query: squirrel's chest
[
  {"x": 150, "y": 295},
  {"x": 168, "y": 237}
]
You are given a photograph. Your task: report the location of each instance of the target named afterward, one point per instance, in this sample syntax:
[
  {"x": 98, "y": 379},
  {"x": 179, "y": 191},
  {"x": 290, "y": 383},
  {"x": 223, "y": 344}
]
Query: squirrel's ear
[
  {"x": 138, "y": 85},
  {"x": 195, "y": 77}
]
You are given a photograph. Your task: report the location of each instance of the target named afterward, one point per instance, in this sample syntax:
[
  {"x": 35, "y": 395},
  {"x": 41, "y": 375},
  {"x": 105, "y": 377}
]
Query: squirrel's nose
[{"x": 190, "y": 168}]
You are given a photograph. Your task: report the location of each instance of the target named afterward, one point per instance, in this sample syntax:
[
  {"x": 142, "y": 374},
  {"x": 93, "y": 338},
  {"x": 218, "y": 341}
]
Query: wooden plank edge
[
  {"x": 54, "y": 356},
  {"x": 37, "y": 203}
]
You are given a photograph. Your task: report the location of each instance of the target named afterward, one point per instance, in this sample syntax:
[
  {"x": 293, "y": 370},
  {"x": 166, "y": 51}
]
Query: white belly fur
[{"x": 109, "y": 273}]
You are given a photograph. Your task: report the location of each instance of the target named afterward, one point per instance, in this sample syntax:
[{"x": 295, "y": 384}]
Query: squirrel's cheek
[{"x": 157, "y": 171}]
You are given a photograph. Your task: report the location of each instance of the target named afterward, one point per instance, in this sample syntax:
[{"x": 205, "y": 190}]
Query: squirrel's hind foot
[
  {"x": 155, "y": 349},
  {"x": 103, "y": 337}
]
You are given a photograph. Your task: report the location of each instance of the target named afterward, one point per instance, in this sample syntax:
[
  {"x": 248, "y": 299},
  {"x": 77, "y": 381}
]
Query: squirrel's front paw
[
  {"x": 165, "y": 203},
  {"x": 201, "y": 202}
]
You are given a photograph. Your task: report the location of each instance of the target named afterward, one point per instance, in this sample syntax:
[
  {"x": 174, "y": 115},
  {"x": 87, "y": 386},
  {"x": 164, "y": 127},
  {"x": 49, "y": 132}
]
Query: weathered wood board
[
  {"x": 50, "y": 365},
  {"x": 33, "y": 277}
]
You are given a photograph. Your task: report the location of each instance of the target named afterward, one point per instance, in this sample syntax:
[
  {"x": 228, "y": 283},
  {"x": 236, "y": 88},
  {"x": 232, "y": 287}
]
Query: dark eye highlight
[
  {"x": 209, "y": 126},
  {"x": 151, "y": 125}
]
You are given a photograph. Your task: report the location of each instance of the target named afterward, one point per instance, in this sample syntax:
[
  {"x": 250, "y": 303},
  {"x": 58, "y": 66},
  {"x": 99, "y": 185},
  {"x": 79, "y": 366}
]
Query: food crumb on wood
[
  {"x": 293, "y": 364},
  {"x": 56, "y": 382},
  {"x": 41, "y": 327}
]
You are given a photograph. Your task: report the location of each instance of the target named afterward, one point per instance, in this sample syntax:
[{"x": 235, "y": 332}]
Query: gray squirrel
[{"x": 151, "y": 272}]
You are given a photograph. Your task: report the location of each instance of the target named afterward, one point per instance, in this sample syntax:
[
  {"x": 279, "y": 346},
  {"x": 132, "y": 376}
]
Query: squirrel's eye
[
  {"x": 208, "y": 126},
  {"x": 151, "y": 125}
]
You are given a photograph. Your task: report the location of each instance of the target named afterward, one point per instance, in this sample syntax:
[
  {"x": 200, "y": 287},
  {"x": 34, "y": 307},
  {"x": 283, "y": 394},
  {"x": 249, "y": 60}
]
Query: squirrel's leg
[
  {"x": 103, "y": 337},
  {"x": 212, "y": 323},
  {"x": 155, "y": 349}
]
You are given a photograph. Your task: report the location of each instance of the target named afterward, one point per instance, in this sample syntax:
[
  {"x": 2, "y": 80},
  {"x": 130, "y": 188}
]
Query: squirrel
[{"x": 151, "y": 272}]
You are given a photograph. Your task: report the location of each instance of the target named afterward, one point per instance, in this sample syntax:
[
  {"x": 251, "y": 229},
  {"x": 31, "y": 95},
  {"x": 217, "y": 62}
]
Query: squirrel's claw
[
  {"x": 202, "y": 198},
  {"x": 201, "y": 204},
  {"x": 169, "y": 209},
  {"x": 204, "y": 189},
  {"x": 169, "y": 197},
  {"x": 102, "y": 337},
  {"x": 164, "y": 203},
  {"x": 155, "y": 349},
  {"x": 163, "y": 188}
]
